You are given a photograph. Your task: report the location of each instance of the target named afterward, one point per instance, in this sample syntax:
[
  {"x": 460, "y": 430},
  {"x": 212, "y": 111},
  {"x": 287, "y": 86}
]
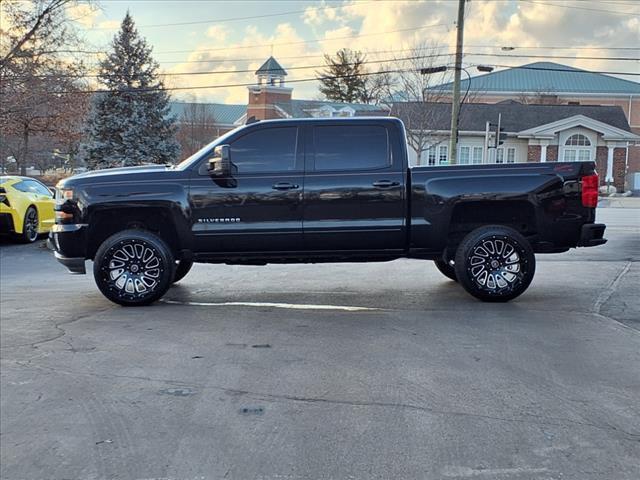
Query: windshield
[{"x": 189, "y": 161}]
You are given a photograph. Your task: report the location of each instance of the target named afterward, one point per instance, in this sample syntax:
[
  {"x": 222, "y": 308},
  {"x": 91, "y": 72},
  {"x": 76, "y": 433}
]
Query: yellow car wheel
[{"x": 30, "y": 226}]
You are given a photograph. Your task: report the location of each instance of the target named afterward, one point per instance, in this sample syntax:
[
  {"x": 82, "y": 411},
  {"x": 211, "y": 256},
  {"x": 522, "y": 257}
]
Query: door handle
[
  {"x": 284, "y": 186},
  {"x": 385, "y": 184}
]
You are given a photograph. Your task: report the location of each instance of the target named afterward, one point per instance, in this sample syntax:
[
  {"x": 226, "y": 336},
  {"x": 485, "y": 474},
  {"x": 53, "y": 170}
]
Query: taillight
[
  {"x": 3, "y": 197},
  {"x": 590, "y": 191}
]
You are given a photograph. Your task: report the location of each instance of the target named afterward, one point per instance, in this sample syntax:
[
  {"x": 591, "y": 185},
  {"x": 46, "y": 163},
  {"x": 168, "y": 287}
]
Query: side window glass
[
  {"x": 351, "y": 147},
  {"x": 21, "y": 186},
  {"x": 40, "y": 189},
  {"x": 265, "y": 151}
]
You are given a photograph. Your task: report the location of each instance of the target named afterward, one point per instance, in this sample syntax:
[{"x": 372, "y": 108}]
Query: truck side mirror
[{"x": 220, "y": 163}]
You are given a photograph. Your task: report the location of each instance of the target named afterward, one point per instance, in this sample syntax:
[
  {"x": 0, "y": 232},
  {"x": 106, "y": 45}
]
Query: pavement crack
[
  {"x": 61, "y": 331},
  {"x": 533, "y": 420},
  {"x": 607, "y": 293}
]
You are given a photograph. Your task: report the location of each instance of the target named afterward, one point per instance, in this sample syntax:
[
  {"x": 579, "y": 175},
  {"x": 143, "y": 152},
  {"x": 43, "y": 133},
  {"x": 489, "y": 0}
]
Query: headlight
[{"x": 63, "y": 194}]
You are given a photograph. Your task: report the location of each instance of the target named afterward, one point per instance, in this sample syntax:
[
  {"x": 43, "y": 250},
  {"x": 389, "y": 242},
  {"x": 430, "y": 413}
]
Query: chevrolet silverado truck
[{"x": 321, "y": 190}]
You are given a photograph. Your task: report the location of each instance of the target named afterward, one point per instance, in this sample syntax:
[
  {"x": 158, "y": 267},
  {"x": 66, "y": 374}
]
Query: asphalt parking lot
[{"x": 271, "y": 373}]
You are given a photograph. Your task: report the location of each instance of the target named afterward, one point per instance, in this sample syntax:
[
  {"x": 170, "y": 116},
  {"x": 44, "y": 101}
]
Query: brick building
[
  {"x": 535, "y": 133},
  {"x": 553, "y": 83}
]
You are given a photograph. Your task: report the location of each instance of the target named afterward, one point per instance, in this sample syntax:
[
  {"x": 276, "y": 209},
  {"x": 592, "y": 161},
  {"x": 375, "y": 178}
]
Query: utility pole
[{"x": 455, "y": 104}]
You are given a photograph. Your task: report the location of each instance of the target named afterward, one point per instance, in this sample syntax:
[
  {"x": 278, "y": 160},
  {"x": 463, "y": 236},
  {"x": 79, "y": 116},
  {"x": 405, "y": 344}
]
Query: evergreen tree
[
  {"x": 130, "y": 123},
  {"x": 343, "y": 80}
]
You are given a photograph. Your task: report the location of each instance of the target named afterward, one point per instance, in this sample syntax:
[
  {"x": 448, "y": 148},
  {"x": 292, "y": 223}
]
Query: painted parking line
[{"x": 291, "y": 306}]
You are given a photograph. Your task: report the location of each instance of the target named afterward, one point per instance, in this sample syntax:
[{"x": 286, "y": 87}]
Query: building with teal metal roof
[{"x": 548, "y": 77}]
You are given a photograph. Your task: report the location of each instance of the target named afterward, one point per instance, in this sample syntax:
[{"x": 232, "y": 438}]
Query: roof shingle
[{"x": 516, "y": 117}]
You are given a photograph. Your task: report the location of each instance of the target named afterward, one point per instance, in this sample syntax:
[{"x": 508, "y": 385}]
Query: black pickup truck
[{"x": 321, "y": 190}]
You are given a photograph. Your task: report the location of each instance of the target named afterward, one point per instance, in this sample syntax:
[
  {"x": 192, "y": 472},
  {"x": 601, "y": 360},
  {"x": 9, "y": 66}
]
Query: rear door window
[{"x": 351, "y": 147}]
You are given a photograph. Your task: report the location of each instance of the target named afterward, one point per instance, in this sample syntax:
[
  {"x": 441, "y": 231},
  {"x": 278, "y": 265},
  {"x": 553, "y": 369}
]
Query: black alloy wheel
[
  {"x": 134, "y": 267},
  {"x": 30, "y": 226},
  {"x": 495, "y": 263}
]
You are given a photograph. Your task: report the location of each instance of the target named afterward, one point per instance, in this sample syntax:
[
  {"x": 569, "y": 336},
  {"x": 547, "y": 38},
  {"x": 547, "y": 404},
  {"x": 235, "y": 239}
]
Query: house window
[
  {"x": 477, "y": 154},
  {"x": 511, "y": 155},
  {"x": 443, "y": 154},
  {"x": 464, "y": 154},
  {"x": 579, "y": 140},
  {"x": 431, "y": 156},
  {"x": 499, "y": 155},
  {"x": 577, "y": 147}
]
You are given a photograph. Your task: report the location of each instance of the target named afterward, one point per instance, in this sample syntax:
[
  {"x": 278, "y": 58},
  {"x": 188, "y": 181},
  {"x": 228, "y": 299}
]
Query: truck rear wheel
[
  {"x": 133, "y": 267},
  {"x": 495, "y": 263},
  {"x": 446, "y": 269}
]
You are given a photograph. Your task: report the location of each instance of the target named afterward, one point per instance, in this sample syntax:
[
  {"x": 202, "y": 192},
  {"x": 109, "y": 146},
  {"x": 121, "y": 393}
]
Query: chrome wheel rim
[
  {"x": 496, "y": 264},
  {"x": 31, "y": 225},
  {"x": 133, "y": 268}
]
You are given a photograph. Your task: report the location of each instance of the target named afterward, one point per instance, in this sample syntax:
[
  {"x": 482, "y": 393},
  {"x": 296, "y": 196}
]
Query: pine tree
[
  {"x": 130, "y": 123},
  {"x": 343, "y": 79}
]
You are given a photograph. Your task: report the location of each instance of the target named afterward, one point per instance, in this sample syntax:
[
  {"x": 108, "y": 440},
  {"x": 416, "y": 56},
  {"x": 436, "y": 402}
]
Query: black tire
[
  {"x": 29, "y": 226},
  {"x": 182, "y": 268},
  {"x": 446, "y": 269},
  {"x": 133, "y": 267},
  {"x": 495, "y": 263}
]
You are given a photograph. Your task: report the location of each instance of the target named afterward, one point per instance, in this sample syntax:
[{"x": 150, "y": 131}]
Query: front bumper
[
  {"x": 592, "y": 235},
  {"x": 68, "y": 245}
]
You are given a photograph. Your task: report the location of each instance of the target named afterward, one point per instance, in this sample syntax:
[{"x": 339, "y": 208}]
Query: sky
[{"x": 233, "y": 38}]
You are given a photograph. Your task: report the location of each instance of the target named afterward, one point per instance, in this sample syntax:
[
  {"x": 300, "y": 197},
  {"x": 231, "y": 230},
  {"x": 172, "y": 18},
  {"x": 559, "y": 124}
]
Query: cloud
[
  {"x": 109, "y": 24},
  {"x": 317, "y": 15},
  {"x": 218, "y": 32},
  {"x": 84, "y": 14},
  {"x": 530, "y": 28}
]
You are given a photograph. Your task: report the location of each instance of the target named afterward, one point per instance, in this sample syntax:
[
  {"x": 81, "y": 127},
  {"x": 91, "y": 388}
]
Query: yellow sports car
[{"x": 26, "y": 207}]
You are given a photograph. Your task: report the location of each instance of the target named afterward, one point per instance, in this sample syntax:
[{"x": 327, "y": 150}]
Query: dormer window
[
  {"x": 577, "y": 148},
  {"x": 345, "y": 112}
]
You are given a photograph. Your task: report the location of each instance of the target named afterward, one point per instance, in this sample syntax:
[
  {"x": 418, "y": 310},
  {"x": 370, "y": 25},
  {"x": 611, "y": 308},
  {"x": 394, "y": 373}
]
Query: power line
[
  {"x": 302, "y": 42},
  {"x": 230, "y": 19},
  {"x": 226, "y": 72},
  {"x": 313, "y": 79},
  {"x": 395, "y": 59},
  {"x": 574, "y": 7},
  {"x": 373, "y": 52}
]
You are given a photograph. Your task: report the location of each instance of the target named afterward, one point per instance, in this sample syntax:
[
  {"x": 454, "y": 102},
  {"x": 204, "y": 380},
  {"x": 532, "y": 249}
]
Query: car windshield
[{"x": 189, "y": 161}]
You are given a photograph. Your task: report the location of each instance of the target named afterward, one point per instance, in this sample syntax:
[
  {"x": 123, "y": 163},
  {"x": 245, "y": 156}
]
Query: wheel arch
[
  {"x": 104, "y": 222},
  {"x": 518, "y": 214}
]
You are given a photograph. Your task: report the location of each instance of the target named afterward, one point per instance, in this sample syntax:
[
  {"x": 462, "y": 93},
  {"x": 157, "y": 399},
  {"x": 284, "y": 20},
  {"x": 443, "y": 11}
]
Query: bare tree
[
  {"x": 541, "y": 97},
  {"x": 409, "y": 92},
  {"x": 39, "y": 82},
  {"x": 197, "y": 127}
]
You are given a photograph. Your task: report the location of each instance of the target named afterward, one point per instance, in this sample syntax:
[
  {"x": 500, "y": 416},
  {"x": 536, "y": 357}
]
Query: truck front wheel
[
  {"x": 495, "y": 263},
  {"x": 133, "y": 267}
]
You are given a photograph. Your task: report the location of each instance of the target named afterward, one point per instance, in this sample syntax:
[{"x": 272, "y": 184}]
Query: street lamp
[{"x": 455, "y": 109}]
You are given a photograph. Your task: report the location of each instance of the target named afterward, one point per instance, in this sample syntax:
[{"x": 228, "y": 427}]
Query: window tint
[
  {"x": 267, "y": 150},
  {"x": 350, "y": 147}
]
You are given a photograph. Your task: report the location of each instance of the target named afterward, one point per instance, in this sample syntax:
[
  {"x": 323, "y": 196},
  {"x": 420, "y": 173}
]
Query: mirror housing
[{"x": 220, "y": 163}]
